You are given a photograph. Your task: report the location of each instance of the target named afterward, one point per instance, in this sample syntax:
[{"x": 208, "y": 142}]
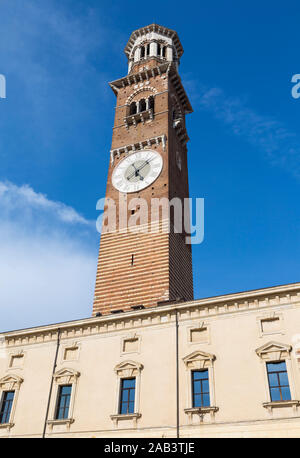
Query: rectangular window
[
  {"x": 6, "y": 405},
  {"x": 127, "y": 395},
  {"x": 200, "y": 385},
  {"x": 278, "y": 381},
  {"x": 63, "y": 402}
]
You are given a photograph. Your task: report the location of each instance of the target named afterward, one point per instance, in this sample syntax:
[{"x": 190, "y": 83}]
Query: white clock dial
[{"x": 137, "y": 171}]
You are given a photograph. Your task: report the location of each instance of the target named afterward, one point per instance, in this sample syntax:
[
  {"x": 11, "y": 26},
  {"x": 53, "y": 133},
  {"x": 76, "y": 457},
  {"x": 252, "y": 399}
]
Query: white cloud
[
  {"x": 14, "y": 198},
  {"x": 280, "y": 146},
  {"x": 48, "y": 255}
]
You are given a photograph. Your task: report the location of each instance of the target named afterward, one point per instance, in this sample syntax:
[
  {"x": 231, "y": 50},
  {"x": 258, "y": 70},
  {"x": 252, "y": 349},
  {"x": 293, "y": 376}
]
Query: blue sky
[{"x": 55, "y": 136}]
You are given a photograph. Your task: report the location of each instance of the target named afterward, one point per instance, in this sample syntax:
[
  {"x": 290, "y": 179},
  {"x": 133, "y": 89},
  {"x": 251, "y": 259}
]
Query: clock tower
[{"x": 150, "y": 261}]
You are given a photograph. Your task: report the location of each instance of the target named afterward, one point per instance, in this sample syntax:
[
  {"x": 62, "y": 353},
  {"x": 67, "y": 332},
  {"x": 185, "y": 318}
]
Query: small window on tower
[
  {"x": 142, "y": 51},
  {"x": 148, "y": 49},
  {"x": 163, "y": 53},
  {"x": 142, "y": 105},
  {"x": 158, "y": 49},
  {"x": 151, "y": 102},
  {"x": 133, "y": 108}
]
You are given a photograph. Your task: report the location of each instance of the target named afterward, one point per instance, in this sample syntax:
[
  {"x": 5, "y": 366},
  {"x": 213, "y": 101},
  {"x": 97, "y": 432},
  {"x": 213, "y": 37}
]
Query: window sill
[
  {"x": 64, "y": 421},
  {"x": 129, "y": 416},
  {"x": 201, "y": 411},
  {"x": 7, "y": 426},
  {"x": 278, "y": 404}
]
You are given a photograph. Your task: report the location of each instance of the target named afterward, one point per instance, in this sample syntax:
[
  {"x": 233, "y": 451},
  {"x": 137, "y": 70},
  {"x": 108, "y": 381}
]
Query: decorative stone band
[
  {"x": 127, "y": 149},
  {"x": 167, "y": 68},
  {"x": 245, "y": 302}
]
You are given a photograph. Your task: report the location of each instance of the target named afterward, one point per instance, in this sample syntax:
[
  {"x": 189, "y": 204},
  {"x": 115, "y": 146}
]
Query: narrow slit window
[{"x": 132, "y": 259}]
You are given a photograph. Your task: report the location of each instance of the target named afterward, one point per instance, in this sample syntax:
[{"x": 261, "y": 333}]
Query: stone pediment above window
[
  {"x": 274, "y": 351},
  {"x": 66, "y": 376},
  {"x": 10, "y": 382},
  {"x": 128, "y": 369},
  {"x": 199, "y": 360}
]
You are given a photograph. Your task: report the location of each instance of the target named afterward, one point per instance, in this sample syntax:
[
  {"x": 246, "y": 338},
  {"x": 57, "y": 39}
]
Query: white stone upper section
[{"x": 153, "y": 41}]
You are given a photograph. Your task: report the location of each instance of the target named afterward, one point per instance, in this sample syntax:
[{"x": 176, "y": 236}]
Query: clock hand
[
  {"x": 136, "y": 170},
  {"x": 135, "y": 173},
  {"x": 144, "y": 164}
]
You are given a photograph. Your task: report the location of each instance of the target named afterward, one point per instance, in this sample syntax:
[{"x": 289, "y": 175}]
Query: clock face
[{"x": 137, "y": 171}]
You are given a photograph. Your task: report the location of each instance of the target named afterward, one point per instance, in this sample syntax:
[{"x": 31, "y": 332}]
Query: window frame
[
  {"x": 10, "y": 382},
  {"x": 198, "y": 361},
  {"x": 273, "y": 352},
  {"x": 64, "y": 376},
  {"x": 270, "y": 317},
  {"x": 59, "y": 399},
  {"x": 4, "y": 401},
  {"x": 122, "y": 391},
  {"x": 201, "y": 393},
  {"x": 126, "y": 370}
]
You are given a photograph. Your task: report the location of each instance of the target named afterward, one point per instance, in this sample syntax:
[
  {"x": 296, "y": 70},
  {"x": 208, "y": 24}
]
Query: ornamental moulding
[
  {"x": 10, "y": 382},
  {"x": 128, "y": 369},
  {"x": 198, "y": 360},
  {"x": 247, "y": 302},
  {"x": 274, "y": 350},
  {"x": 138, "y": 91},
  {"x": 66, "y": 376},
  {"x": 128, "y": 149}
]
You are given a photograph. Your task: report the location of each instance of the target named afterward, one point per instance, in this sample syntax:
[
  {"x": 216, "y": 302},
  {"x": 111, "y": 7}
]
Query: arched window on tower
[
  {"x": 133, "y": 108},
  {"x": 158, "y": 49},
  {"x": 163, "y": 51},
  {"x": 148, "y": 49},
  {"x": 143, "y": 51},
  {"x": 142, "y": 105},
  {"x": 151, "y": 103}
]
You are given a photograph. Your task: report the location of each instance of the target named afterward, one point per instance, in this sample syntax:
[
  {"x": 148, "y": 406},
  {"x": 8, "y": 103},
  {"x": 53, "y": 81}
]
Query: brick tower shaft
[{"x": 149, "y": 264}]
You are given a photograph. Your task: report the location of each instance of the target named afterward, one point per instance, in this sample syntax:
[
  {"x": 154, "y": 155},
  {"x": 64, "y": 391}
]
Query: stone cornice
[
  {"x": 166, "y": 68},
  {"x": 163, "y": 314},
  {"x": 127, "y": 149}
]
